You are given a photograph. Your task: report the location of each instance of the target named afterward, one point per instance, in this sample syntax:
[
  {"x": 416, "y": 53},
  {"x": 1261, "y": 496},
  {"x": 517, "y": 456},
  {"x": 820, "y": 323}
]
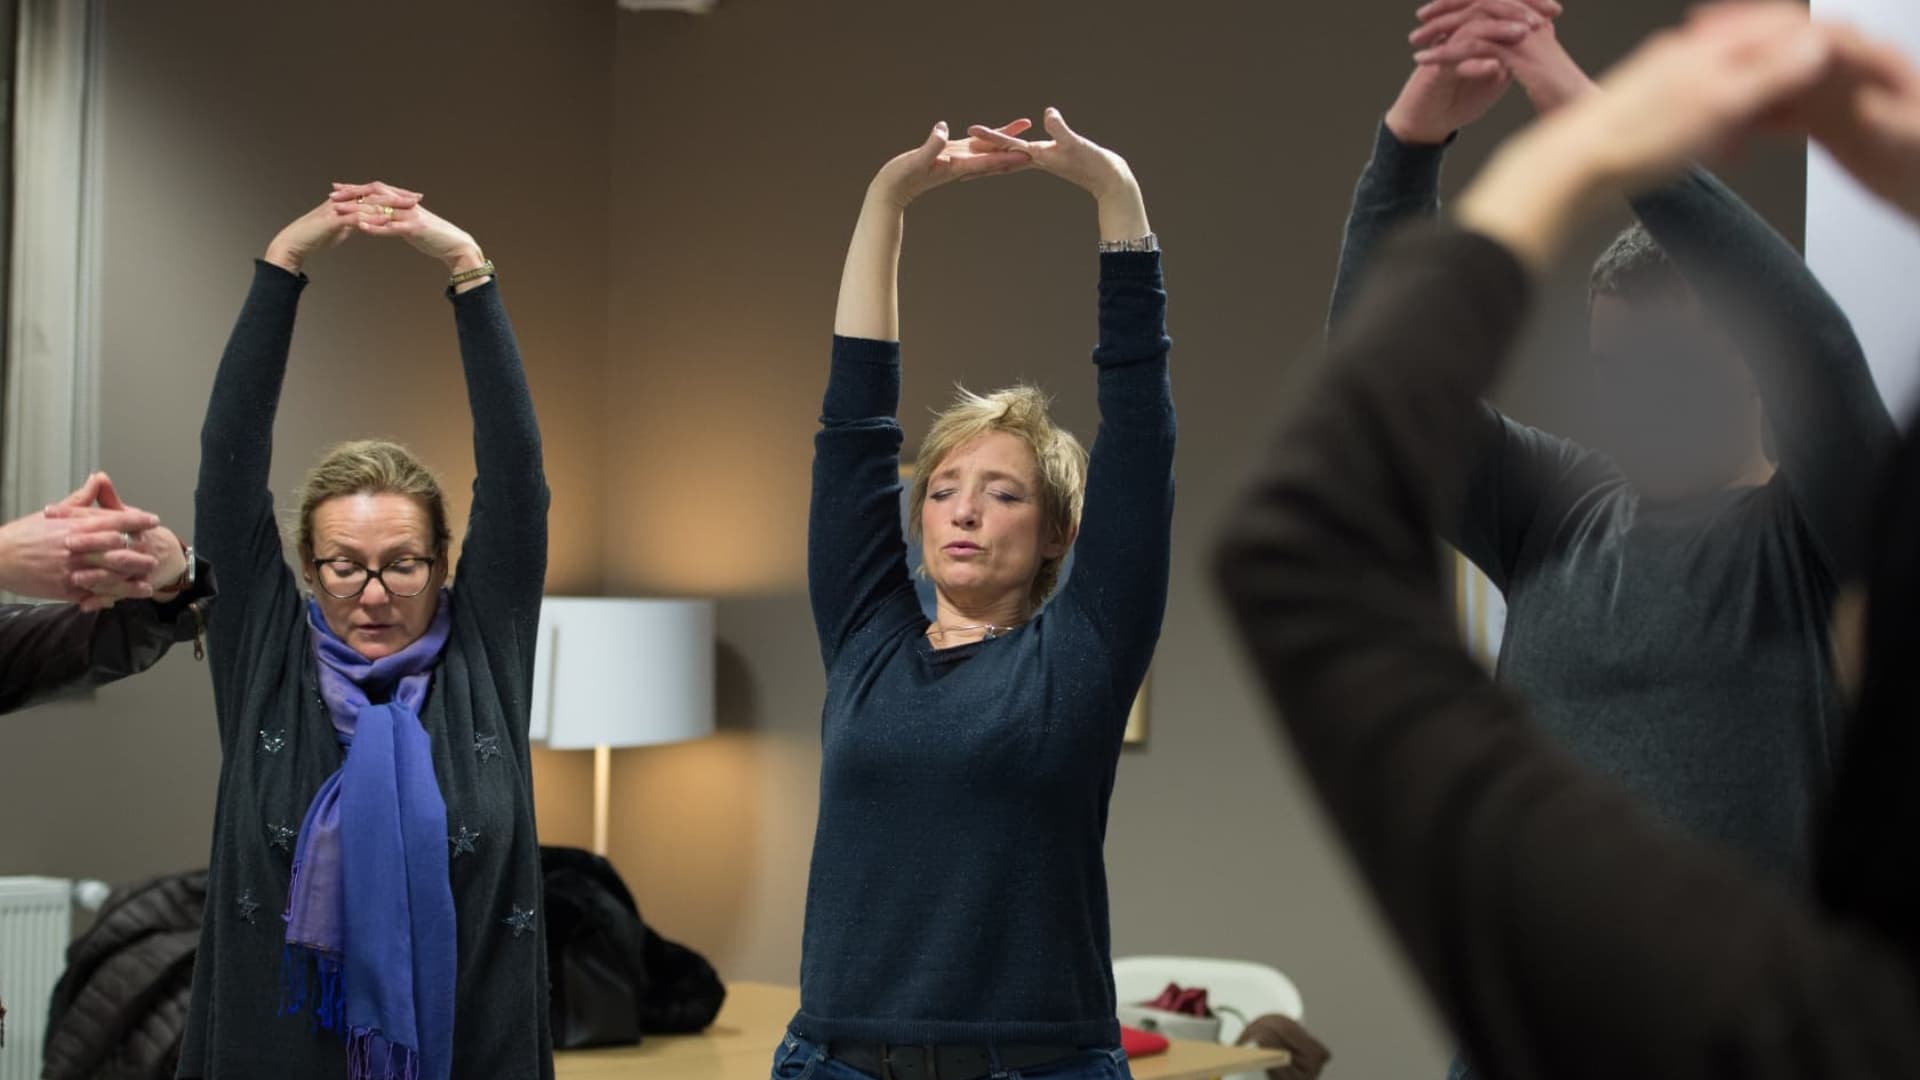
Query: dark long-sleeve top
[
  {"x": 278, "y": 742},
  {"x": 47, "y": 650},
  {"x": 1680, "y": 648},
  {"x": 958, "y": 892},
  {"x": 1564, "y": 933}
]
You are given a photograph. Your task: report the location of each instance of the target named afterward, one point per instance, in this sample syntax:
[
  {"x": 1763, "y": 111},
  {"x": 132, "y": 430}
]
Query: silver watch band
[{"x": 1147, "y": 243}]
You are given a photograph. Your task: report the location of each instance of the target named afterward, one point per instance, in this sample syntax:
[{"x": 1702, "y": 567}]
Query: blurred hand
[
  {"x": 380, "y": 209},
  {"x": 1068, "y": 155},
  {"x": 1866, "y": 113},
  {"x": 941, "y": 160},
  {"x": 1474, "y": 34},
  {"x": 312, "y": 232},
  {"x": 1681, "y": 95}
]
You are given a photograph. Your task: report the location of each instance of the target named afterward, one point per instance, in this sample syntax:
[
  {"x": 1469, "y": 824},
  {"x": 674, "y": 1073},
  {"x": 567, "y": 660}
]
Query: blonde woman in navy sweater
[{"x": 957, "y": 906}]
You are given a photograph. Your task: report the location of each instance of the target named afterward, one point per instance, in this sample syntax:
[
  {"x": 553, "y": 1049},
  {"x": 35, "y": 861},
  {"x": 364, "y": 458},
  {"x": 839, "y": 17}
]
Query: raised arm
[
  {"x": 856, "y": 551},
  {"x": 1829, "y": 423},
  {"x": 503, "y": 561},
  {"x": 1122, "y": 556},
  {"x": 1401, "y": 185},
  {"x": 1562, "y": 933},
  {"x": 234, "y": 521}
]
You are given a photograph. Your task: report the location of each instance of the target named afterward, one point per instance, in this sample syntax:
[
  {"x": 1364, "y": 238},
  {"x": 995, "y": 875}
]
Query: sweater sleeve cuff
[
  {"x": 1407, "y": 166},
  {"x": 171, "y": 612},
  {"x": 488, "y": 292},
  {"x": 865, "y": 380},
  {"x": 268, "y": 276},
  {"x": 1130, "y": 266}
]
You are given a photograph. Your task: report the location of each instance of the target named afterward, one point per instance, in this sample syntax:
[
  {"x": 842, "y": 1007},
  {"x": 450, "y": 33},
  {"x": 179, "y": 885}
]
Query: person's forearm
[
  {"x": 1400, "y": 183},
  {"x": 1123, "y": 213},
  {"x": 869, "y": 305}
]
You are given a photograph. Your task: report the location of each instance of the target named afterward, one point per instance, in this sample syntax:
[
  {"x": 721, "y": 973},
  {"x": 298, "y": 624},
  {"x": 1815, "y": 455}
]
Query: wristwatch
[
  {"x": 1142, "y": 244},
  {"x": 188, "y": 579}
]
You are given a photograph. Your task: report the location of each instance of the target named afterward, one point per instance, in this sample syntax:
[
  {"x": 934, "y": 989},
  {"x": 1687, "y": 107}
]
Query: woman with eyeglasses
[{"x": 373, "y": 907}]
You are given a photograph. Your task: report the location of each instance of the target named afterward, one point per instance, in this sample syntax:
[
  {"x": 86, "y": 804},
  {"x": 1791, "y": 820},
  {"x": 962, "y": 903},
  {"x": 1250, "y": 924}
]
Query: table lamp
[{"x": 615, "y": 673}]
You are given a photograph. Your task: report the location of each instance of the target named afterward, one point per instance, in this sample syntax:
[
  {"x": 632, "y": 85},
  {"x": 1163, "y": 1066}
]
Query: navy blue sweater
[{"x": 959, "y": 891}]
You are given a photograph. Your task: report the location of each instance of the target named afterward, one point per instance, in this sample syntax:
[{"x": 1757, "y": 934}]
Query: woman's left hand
[
  {"x": 380, "y": 209},
  {"x": 1068, "y": 155}
]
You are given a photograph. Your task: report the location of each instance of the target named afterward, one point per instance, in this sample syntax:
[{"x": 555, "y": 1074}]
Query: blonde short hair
[
  {"x": 372, "y": 467},
  {"x": 1021, "y": 411}
]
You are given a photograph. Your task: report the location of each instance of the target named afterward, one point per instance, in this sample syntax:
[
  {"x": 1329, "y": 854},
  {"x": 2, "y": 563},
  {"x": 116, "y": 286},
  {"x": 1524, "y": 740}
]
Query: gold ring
[
  {"x": 361, "y": 201},
  {"x": 386, "y": 211}
]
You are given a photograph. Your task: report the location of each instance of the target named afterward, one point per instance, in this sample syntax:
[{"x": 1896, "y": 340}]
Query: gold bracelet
[{"x": 485, "y": 269}]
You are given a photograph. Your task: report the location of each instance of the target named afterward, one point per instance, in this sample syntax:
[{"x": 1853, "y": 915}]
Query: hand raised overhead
[
  {"x": 1068, "y": 154},
  {"x": 1681, "y": 95},
  {"x": 1443, "y": 96},
  {"x": 1476, "y": 38},
  {"x": 380, "y": 209},
  {"x": 941, "y": 160},
  {"x": 1866, "y": 113},
  {"x": 315, "y": 231}
]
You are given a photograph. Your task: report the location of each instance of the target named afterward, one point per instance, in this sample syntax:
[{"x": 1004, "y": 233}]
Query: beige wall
[{"x": 669, "y": 199}]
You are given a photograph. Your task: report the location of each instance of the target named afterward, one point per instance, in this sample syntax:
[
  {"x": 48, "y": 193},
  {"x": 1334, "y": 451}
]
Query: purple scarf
[{"x": 370, "y": 911}]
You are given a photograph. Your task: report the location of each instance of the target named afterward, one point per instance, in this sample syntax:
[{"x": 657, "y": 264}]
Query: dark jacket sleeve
[
  {"x": 503, "y": 563},
  {"x": 857, "y": 575},
  {"x": 47, "y": 650},
  {"x": 1508, "y": 488},
  {"x": 1562, "y": 933},
  {"x": 1122, "y": 558},
  {"x": 1830, "y": 425}
]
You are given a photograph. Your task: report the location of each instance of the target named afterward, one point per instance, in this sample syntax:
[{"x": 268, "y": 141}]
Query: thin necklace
[{"x": 989, "y": 631}]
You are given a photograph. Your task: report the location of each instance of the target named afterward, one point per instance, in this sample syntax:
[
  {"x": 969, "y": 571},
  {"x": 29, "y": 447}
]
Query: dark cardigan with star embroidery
[{"x": 278, "y": 743}]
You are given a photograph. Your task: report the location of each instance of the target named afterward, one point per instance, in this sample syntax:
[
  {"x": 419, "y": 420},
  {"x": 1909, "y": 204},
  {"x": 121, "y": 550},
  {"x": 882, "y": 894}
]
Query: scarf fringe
[
  {"x": 304, "y": 971},
  {"x": 371, "y": 1057}
]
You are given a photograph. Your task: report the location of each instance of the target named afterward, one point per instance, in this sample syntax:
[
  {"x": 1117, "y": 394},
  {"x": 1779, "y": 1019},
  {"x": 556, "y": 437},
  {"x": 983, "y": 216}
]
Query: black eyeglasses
[{"x": 344, "y": 579}]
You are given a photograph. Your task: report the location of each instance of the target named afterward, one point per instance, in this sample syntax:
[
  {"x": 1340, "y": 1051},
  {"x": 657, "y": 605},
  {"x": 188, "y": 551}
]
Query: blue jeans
[{"x": 798, "y": 1059}]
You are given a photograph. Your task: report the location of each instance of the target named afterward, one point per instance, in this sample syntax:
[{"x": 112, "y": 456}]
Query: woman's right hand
[
  {"x": 941, "y": 160},
  {"x": 307, "y": 235}
]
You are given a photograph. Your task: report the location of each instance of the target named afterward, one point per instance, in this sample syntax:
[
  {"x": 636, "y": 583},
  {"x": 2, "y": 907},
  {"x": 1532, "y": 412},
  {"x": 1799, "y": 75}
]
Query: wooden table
[{"x": 740, "y": 1045}]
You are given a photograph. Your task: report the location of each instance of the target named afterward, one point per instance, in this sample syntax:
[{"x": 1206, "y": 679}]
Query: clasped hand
[
  {"x": 993, "y": 151},
  {"x": 91, "y": 549}
]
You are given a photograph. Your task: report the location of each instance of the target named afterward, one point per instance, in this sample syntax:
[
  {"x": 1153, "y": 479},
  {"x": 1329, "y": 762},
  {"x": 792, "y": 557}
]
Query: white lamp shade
[{"x": 617, "y": 672}]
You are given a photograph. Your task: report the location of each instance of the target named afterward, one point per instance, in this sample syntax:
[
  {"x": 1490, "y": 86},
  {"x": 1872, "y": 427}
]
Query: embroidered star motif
[
  {"x": 282, "y": 837},
  {"x": 486, "y": 746},
  {"x": 463, "y": 841},
  {"x": 273, "y": 741},
  {"x": 248, "y": 906},
  {"x": 521, "y": 921}
]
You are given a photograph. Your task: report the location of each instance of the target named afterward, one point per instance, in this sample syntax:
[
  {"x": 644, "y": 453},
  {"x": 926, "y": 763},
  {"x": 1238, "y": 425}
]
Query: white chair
[{"x": 1238, "y": 990}]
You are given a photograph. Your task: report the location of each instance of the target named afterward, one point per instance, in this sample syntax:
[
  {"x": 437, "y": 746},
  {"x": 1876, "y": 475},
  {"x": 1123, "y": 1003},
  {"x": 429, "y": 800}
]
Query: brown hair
[
  {"x": 1020, "y": 411},
  {"x": 1634, "y": 268},
  {"x": 372, "y": 467}
]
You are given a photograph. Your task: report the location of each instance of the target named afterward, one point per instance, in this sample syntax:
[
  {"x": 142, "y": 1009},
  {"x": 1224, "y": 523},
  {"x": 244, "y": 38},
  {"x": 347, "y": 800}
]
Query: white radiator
[{"x": 36, "y": 923}]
